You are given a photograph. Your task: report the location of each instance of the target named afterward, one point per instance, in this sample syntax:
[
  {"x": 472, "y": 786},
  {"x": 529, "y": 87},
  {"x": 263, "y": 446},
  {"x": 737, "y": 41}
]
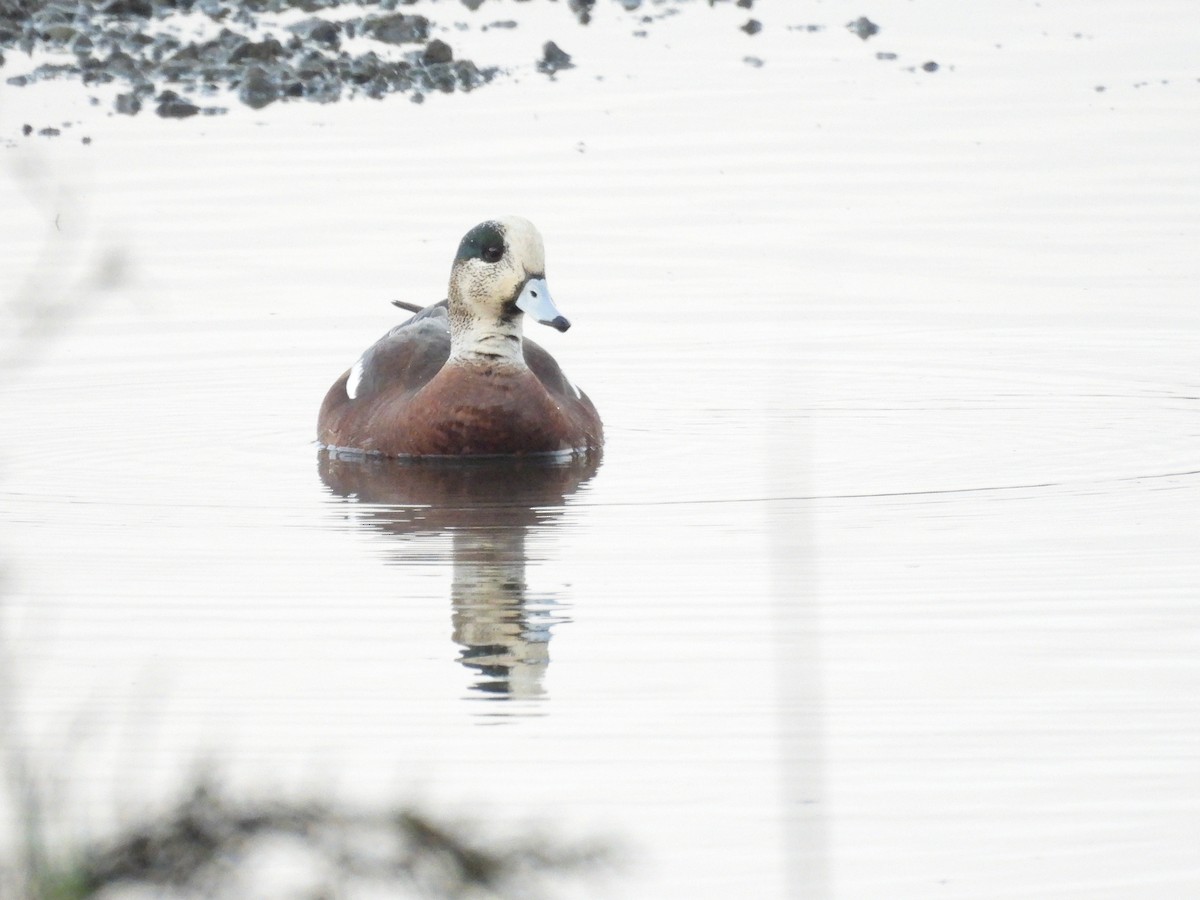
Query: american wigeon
[{"x": 457, "y": 378}]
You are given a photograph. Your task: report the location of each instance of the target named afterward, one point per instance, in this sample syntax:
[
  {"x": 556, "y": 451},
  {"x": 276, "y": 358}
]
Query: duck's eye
[{"x": 492, "y": 253}]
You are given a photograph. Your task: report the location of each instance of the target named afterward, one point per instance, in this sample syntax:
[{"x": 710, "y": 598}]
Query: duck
[{"x": 459, "y": 378}]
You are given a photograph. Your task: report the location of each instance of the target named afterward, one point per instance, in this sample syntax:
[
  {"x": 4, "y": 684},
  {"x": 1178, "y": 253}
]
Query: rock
[
  {"x": 554, "y": 59},
  {"x": 582, "y": 9},
  {"x": 397, "y": 28},
  {"x": 374, "y": 76},
  {"x": 863, "y": 27},
  {"x": 321, "y": 89},
  {"x": 318, "y": 31},
  {"x": 266, "y": 50},
  {"x": 437, "y": 51},
  {"x": 359, "y": 69},
  {"x": 753, "y": 26},
  {"x": 172, "y": 106},
  {"x": 164, "y": 45},
  {"x": 228, "y": 40},
  {"x": 930, "y": 66},
  {"x": 60, "y": 34},
  {"x": 212, "y": 9},
  {"x": 136, "y": 41},
  {"x": 45, "y": 72},
  {"x": 123, "y": 8},
  {"x": 122, "y": 65},
  {"x": 471, "y": 76},
  {"x": 315, "y": 65},
  {"x": 128, "y": 104},
  {"x": 440, "y": 76},
  {"x": 188, "y": 54},
  {"x": 257, "y": 89}
]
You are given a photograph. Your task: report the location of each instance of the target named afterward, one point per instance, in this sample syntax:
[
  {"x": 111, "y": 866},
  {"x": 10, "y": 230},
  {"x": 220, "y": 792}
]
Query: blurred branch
[
  {"x": 62, "y": 276},
  {"x": 202, "y": 845}
]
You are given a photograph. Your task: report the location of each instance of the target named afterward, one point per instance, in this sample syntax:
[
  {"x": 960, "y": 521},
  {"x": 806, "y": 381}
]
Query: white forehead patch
[
  {"x": 524, "y": 243},
  {"x": 355, "y": 379}
]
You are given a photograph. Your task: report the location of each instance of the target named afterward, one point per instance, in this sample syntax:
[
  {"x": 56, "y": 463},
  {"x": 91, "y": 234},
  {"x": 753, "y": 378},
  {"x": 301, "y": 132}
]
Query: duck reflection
[{"x": 487, "y": 507}]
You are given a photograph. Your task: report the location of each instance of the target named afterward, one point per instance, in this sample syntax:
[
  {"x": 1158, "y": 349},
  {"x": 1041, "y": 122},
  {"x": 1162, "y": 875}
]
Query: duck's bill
[{"x": 535, "y": 300}]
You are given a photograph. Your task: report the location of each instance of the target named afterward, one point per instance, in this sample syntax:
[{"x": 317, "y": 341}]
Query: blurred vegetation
[{"x": 208, "y": 844}]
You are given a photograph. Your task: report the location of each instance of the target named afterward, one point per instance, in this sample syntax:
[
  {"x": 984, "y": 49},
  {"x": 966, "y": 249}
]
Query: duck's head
[{"x": 498, "y": 274}]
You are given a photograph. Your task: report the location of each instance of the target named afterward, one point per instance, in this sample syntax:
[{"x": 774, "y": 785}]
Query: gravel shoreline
[
  {"x": 261, "y": 52},
  {"x": 365, "y": 48}
]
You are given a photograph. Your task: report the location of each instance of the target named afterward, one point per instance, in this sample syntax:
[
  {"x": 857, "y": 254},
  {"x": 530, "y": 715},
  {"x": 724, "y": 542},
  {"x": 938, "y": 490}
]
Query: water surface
[{"x": 886, "y": 584}]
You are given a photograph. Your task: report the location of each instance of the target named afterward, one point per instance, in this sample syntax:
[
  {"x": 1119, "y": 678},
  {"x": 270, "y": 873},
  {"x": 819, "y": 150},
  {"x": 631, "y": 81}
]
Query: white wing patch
[
  {"x": 574, "y": 387},
  {"x": 355, "y": 379}
]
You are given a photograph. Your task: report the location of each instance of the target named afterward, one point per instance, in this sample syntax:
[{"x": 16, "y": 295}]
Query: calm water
[{"x": 887, "y": 583}]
